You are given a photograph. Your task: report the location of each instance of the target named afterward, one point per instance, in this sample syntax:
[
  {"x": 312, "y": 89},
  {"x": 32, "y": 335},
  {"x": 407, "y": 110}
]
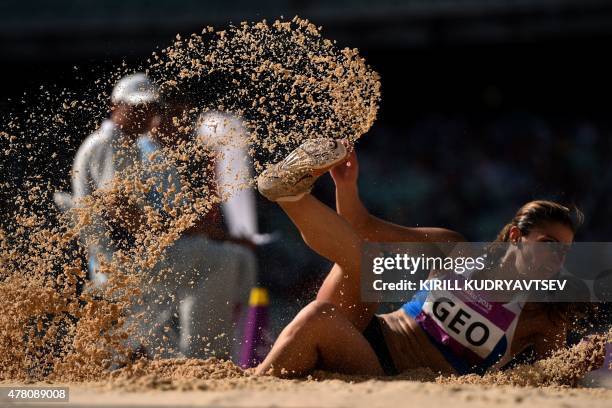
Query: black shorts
[{"x": 374, "y": 335}]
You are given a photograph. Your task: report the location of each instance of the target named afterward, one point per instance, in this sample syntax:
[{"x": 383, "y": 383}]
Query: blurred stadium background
[{"x": 486, "y": 103}]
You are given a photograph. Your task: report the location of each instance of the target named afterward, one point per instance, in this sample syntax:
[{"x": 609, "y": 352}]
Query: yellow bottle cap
[{"x": 259, "y": 297}]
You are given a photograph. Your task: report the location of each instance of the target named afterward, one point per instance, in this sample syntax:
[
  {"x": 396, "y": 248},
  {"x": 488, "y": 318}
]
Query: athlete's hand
[{"x": 346, "y": 173}]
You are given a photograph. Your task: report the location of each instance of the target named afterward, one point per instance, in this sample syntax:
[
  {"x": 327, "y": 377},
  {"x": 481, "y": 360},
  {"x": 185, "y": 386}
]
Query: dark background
[{"x": 485, "y": 104}]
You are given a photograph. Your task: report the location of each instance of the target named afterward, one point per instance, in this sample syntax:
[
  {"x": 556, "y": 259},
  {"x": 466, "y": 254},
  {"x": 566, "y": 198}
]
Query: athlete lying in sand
[{"x": 339, "y": 332}]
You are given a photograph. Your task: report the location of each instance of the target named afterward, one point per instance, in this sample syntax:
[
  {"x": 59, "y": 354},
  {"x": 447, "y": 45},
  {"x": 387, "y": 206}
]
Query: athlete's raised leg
[
  {"x": 330, "y": 235},
  {"x": 328, "y": 332}
]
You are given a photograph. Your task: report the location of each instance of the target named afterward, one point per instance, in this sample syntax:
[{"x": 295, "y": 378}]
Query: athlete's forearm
[{"x": 351, "y": 208}]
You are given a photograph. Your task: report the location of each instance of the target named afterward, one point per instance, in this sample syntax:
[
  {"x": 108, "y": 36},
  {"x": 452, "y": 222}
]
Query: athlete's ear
[{"x": 515, "y": 234}]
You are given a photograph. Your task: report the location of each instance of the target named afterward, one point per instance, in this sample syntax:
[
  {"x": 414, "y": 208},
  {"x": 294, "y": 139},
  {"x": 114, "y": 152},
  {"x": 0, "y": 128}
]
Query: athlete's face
[{"x": 542, "y": 251}]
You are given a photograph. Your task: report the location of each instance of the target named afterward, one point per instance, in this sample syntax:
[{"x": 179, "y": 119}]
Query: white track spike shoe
[{"x": 293, "y": 177}]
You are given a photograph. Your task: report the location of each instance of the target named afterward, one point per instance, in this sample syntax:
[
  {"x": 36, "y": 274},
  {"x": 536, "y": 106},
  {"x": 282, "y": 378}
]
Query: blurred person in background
[
  {"x": 191, "y": 309},
  {"x": 110, "y": 149},
  {"x": 226, "y": 135},
  {"x": 210, "y": 271}
]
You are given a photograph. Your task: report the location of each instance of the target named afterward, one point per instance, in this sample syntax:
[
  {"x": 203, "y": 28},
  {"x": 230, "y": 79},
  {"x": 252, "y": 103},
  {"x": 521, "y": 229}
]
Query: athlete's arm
[{"x": 369, "y": 227}]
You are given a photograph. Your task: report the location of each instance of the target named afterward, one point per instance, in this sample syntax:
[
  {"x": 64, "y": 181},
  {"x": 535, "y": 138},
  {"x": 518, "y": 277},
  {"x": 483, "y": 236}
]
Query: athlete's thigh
[
  {"x": 343, "y": 348},
  {"x": 341, "y": 287}
]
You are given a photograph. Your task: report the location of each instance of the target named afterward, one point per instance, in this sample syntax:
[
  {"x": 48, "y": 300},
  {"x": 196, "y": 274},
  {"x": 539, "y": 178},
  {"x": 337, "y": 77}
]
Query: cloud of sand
[{"x": 284, "y": 79}]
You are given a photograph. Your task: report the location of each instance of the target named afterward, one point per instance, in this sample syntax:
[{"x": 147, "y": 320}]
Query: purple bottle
[{"x": 254, "y": 345}]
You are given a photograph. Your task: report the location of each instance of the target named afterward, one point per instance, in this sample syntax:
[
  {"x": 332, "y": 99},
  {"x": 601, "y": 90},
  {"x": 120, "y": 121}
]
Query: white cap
[{"x": 135, "y": 89}]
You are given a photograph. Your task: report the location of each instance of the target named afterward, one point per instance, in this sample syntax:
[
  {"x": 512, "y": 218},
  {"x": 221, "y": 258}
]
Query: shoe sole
[{"x": 271, "y": 186}]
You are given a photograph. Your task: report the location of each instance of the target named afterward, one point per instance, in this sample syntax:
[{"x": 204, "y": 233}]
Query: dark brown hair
[{"x": 539, "y": 212}]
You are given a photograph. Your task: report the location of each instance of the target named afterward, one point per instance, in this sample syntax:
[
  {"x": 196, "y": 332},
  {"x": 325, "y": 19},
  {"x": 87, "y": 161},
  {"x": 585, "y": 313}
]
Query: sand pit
[
  {"x": 336, "y": 393},
  {"x": 212, "y": 382},
  {"x": 273, "y": 392}
]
